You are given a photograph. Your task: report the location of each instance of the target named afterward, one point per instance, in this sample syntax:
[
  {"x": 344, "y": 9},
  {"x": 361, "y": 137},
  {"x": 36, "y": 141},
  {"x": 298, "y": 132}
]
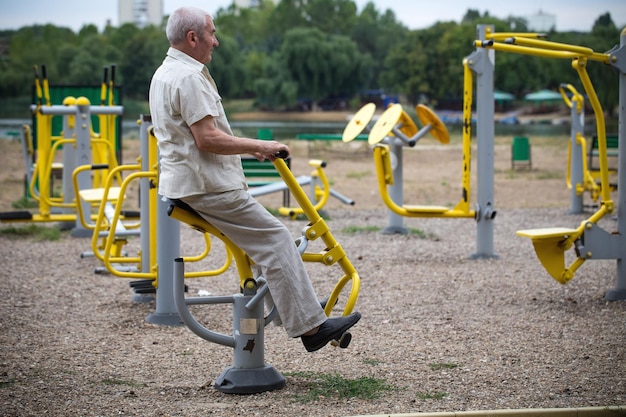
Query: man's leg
[{"x": 270, "y": 245}]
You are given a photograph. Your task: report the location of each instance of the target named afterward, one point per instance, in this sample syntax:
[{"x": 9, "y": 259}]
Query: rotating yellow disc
[
  {"x": 385, "y": 124},
  {"x": 408, "y": 125},
  {"x": 428, "y": 117},
  {"x": 359, "y": 122}
]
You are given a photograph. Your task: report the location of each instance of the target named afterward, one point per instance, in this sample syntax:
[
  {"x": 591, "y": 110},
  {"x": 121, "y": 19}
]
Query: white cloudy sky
[{"x": 416, "y": 14}]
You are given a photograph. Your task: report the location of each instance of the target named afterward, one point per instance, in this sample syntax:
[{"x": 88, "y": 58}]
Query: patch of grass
[
  {"x": 114, "y": 381},
  {"x": 358, "y": 175},
  {"x": 431, "y": 396},
  {"x": 5, "y": 384},
  {"x": 353, "y": 230},
  {"x": 423, "y": 235},
  {"x": 37, "y": 232},
  {"x": 439, "y": 366},
  {"x": 323, "y": 386},
  {"x": 372, "y": 362},
  {"x": 550, "y": 175},
  {"x": 24, "y": 203}
]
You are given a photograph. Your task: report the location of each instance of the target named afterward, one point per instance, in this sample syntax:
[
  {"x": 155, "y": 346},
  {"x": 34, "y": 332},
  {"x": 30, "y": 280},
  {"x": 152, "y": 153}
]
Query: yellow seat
[{"x": 94, "y": 195}]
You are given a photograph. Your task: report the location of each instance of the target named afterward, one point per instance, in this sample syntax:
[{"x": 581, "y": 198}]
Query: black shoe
[
  {"x": 325, "y": 301},
  {"x": 331, "y": 329}
]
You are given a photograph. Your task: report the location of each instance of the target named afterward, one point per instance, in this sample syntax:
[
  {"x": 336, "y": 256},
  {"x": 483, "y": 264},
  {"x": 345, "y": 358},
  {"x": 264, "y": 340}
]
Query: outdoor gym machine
[
  {"x": 77, "y": 142},
  {"x": 319, "y": 187},
  {"x": 589, "y": 240},
  {"x": 390, "y": 133},
  {"x": 249, "y": 373},
  {"x": 151, "y": 268}
]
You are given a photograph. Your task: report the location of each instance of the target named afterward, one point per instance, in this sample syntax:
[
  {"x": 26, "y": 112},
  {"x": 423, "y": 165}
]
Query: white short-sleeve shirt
[{"x": 182, "y": 92}]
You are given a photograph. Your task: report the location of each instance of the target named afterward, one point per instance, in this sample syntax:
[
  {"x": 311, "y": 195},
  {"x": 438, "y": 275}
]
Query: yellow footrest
[
  {"x": 426, "y": 209},
  {"x": 550, "y": 250},
  {"x": 547, "y": 233},
  {"x": 94, "y": 195}
]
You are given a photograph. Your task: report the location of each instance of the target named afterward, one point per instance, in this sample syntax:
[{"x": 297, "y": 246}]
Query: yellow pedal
[
  {"x": 428, "y": 117},
  {"x": 359, "y": 122},
  {"x": 426, "y": 209},
  {"x": 392, "y": 117}
]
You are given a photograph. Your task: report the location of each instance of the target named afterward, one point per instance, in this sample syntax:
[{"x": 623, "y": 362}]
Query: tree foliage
[{"x": 289, "y": 50}]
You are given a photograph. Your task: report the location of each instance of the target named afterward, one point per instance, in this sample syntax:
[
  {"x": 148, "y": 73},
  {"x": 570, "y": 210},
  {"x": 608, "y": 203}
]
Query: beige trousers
[{"x": 270, "y": 245}]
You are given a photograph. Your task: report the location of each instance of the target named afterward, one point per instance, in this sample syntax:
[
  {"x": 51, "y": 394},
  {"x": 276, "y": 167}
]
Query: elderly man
[{"x": 201, "y": 165}]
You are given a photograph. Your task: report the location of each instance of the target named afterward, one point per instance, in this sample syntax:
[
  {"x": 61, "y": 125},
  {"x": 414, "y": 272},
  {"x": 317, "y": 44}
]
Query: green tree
[
  {"x": 322, "y": 64},
  {"x": 228, "y": 67},
  {"x": 142, "y": 56}
]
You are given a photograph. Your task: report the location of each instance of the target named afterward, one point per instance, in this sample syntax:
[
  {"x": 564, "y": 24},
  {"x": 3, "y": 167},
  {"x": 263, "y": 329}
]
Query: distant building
[
  {"x": 246, "y": 4},
  {"x": 141, "y": 12},
  {"x": 541, "y": 22}
]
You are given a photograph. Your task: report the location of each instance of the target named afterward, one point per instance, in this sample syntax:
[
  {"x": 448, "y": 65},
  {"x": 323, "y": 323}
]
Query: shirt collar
[{"x": 185, "y": 59}]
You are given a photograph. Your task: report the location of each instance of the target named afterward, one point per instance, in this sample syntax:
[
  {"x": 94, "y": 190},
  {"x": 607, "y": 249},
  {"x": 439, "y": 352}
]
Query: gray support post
[
  {"x": 619, "y": 292},
  {"x": 576, "y": 167},
  {"x": 168, "y": 249},
  {"x": 396, "y": 222},
  {"x": 249, "y": 374},
  {"x": 83, "y": 157},
  {"x": 483, "y": 65}
]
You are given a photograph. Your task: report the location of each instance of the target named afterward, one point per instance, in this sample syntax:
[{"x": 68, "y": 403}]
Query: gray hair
[{"x": 184, "y": 19}]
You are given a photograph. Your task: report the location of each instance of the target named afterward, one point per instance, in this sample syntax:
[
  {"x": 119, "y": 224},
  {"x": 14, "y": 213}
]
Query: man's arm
[{"x": 209, "y": 138}]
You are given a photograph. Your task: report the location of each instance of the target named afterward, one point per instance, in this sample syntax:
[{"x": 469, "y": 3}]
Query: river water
[{"x": 288, "y": 130}]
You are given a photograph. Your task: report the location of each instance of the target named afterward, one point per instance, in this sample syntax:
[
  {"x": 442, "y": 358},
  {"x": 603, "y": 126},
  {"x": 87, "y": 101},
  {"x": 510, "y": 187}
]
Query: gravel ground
[{"x": 446, "y": 332}]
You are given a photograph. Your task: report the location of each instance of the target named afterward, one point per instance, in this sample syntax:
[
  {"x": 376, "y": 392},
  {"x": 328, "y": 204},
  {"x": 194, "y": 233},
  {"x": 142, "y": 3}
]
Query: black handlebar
[{"x": 281, "y": 154}]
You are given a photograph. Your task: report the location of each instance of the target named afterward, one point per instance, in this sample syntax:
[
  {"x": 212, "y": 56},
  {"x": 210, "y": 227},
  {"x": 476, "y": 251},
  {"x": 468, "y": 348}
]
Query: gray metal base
[
  {"x": 483, "y": 256},
  {"x": 143, "y": 298},
  {"x": 165, "y": 319},
  {"x": 81, "y": 233},
  {"x": 250, "y": 380},
  {"x": 615, "y": 295}
]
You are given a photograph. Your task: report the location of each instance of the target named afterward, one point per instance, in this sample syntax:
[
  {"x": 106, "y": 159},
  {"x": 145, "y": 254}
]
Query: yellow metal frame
[
  {"x": 589, "y": 182},
  {"x": 103, "y": 153},
  {"x": 321, "y": 193},
  {"x": 108, "y": 249},
  {"x": 384, "y": 171},
  {"x": 316, "y": 229},
  {"x": 551, "y": 243}
]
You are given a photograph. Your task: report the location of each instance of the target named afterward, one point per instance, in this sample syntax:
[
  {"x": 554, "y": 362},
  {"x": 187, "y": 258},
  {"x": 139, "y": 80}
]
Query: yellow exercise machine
[
  {"x": 111, "y": 232},
  {"x": 83, "y": 150},
  {"x": 317, "y": 228},
  {"x": 395, "y": 129},
  {"x": 588, "y": 239},
  {"x": 249, "y": 372}
]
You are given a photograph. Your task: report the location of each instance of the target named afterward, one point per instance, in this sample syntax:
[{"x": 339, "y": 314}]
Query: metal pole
[
  {"x": 619, "y": 292},
  {"x": 83, "y": 157},
  {"x": 168, "y": 249},
  {"x": 484, "y": 67}
]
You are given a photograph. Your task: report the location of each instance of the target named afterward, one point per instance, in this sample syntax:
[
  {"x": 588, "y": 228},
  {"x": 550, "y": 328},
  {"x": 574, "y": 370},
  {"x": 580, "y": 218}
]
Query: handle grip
[{"x": 281, "y": 154}]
